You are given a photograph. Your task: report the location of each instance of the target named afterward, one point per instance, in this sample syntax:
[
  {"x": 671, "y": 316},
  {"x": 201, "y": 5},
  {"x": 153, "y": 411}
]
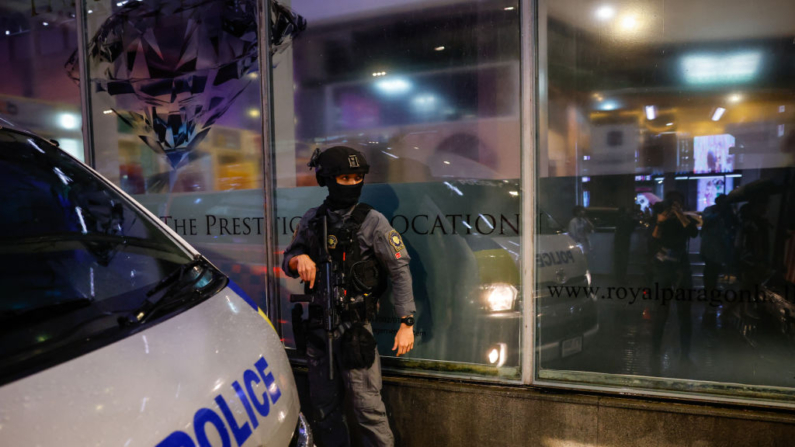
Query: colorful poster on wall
[{"x": 711, "y": 154}]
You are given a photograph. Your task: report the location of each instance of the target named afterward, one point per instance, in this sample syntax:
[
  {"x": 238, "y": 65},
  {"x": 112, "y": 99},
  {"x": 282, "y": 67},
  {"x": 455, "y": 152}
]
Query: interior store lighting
[
  {"x": 608, "y": 106},
  {"x": 629, "y": 23},
  {"x": 718, "y": 113},
  {"x": 651, "y": 113},
  {"x": 393, "y": 86},
  {"x": 710, "y": 68},
  {"x": 605, "y": 12},
  {"x": 68, "y": 121}
]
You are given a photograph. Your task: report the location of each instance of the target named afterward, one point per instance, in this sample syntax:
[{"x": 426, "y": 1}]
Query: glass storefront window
[
  {"x": 36, "y": 93},
  {"x": 666, "y": 142},
  {"x": 429, "y": 92},
  {"x": 176, "y": 109}
]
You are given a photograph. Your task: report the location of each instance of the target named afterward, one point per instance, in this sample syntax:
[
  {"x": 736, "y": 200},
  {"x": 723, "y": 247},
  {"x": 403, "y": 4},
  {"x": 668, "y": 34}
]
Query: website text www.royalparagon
[{"x": 663, "y": 295}]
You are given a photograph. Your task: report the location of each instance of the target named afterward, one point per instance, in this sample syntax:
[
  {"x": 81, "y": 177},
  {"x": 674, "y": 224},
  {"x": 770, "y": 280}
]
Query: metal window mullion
[
  {"x": 268, "y": 154},
  {"x": 85, "y": 81},
  {"x": 528, "y": 181}
]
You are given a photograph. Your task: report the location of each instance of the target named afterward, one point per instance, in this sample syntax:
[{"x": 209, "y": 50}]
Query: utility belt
[
  {"x": 357, "y": 344},
  {"x": 355, "y": 312}
]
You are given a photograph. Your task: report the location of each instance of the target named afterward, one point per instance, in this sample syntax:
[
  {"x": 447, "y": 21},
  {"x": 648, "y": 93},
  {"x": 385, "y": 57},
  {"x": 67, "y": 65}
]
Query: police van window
[
  {"x": 76, "y": 259},
  {"x": 548, "y": 225}
]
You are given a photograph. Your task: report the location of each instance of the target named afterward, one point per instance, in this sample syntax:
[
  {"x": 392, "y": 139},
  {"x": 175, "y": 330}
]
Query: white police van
[{"x": 114, "y": 331}]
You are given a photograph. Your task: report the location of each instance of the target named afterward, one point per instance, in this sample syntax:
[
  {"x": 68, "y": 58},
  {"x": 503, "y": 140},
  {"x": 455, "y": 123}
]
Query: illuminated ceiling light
[
  {"x": 8, "y": 32},
  {"x": 670, "y": 124},
  {"x": 608, "y": 105},
  {"x": 605, "y": 12},
  {"x": 446, "y": 162},
  {"x": 68, "y": 121},
  {"x": 718, "y": 113},
  {"x": 439, "y": 48},
  {"x": 509, "y": 8},
  {"x": 629, "y": 23},
  {"x": 735, "y": 98},
  {"x": 393, "y": 86},
  {"x": 721, "y": 68},
  {"x": 424, "y": 100},
  {"x": 651, "y": 113},
  {"x": 44, "y": 23},
  {"x": 107, "y": 112},
  {"x": 514, "y": 193},
  {"x": 253, "y": 113},
  {"x": 90, "y": 11},
  {"x": 253, "y": 75}
]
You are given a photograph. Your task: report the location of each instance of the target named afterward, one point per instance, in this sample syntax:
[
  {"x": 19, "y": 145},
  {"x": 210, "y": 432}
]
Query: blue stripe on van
[{"x": 236, "y": 288}]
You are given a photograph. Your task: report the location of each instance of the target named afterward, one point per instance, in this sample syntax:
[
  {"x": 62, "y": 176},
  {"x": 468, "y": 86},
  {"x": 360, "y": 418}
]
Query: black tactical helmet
[{"x": 336, "y": 161}]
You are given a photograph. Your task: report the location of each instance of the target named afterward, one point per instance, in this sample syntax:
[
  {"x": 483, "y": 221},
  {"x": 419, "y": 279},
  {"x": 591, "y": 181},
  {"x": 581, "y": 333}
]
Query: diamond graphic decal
[{"x": 177, "y": 66}]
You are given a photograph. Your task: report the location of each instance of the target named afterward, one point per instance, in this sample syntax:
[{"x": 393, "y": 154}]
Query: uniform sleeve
[
  {"x": 391, "y": 251},
  {"x": 299, "y": 245}
]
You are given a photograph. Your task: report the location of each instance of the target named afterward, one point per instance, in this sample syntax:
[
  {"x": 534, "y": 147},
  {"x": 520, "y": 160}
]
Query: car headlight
[
  {"x": 499, "y": 297},
  {"x": 303, "y": 434}
]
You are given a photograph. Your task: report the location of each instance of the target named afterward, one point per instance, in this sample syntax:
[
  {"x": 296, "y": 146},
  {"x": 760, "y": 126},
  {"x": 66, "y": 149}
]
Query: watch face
[{"x": 409, "y": 321}]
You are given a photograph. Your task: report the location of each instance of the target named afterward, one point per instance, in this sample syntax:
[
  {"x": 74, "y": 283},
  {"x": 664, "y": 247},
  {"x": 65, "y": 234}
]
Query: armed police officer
[{"x": 356, "y": 249}]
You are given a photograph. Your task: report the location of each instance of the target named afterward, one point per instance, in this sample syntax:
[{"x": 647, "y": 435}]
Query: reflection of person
[
  {"x": 362, "y": 243},
  {"x": 671, "y": 269},
  {"x": 753, "y": 250},
  {"x": 717, "y": 239},
  {"x": 625, "y": 225},
  {"x": 711, "y": 162},
  {"x": 580, "y": 227},
  {"x": 709, "y": 193}
]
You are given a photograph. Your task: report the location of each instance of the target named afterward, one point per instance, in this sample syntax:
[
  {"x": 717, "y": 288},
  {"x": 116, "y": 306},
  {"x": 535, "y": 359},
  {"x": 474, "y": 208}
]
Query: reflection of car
[
  {"x": 464, "y": 242},
  {"x": 114, "y": 329}
]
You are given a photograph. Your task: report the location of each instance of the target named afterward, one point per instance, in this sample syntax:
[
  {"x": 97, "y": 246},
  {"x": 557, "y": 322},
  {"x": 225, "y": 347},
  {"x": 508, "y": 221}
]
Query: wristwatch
[{"x": 408, "y": 321}]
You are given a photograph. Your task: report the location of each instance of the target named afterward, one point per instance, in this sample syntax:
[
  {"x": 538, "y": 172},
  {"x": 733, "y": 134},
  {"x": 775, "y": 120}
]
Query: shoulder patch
[{"x": 395, "y": 241}]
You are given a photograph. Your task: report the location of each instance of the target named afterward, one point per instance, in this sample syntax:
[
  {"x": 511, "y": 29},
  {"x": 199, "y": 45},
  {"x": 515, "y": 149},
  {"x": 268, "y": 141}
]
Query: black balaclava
[
  {"x": 342, "y": 196},
  {"x": 336, "y": 161}
]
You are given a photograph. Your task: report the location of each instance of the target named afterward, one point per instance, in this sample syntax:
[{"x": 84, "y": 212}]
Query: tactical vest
[{"x": 364, "y": 280}]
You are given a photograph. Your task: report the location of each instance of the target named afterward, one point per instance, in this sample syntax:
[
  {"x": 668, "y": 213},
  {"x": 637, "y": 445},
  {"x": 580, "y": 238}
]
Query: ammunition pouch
[{"x": 358, "y": 347}]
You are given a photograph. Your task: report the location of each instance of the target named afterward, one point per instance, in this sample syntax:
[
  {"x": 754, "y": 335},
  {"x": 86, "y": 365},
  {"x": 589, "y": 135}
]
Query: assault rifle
[{"x": 328, "y": 294}]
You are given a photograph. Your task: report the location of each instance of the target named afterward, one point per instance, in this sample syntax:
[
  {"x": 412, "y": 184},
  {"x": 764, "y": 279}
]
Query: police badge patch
[
  {"x": 353, "y": 161},
  {"x": 395, "y": 241},
  {"x": 332, "y": 242}
]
